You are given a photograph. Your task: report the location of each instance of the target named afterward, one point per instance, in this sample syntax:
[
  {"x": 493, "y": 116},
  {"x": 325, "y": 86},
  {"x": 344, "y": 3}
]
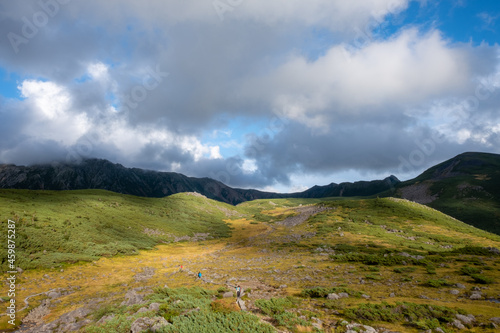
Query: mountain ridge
[
  {"x": 465, "y": 187},
  {"x": 105, "y": 175}
]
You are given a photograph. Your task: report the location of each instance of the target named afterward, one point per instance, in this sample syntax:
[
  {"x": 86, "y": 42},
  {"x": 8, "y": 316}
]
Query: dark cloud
[{"x": 98, "y": 87}]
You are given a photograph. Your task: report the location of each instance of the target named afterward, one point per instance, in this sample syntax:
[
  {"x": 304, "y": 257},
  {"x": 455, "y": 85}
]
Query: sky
[{"x": 275, "y": 95}]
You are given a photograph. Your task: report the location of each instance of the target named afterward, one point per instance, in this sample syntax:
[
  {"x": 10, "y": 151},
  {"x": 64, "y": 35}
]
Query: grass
[
  {"x": 286, "y": 273},
  {"x": 71, "y": 226}
]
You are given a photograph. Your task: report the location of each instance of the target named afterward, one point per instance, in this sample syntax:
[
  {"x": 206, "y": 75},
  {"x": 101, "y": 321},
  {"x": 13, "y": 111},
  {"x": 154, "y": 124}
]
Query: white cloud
[
  {"x": 406, "y": 70},
  {"x": 249, "y": 166},
  {"x": 51, "y": 115},
  {"x": 98, "y": 71}
]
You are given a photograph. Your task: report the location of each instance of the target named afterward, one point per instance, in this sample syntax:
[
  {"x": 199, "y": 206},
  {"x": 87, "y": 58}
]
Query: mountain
[
  {"x": 361, "y": 188},
  {"x": 104, "y": 175},
  {"x": 466, "y": 187}
]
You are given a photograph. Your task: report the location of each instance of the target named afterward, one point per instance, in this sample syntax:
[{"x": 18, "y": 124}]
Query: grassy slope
[
  {"x": 354, "y": 246},
  {"x": 473, "y": 196},
  {"x": 54, "y": 227}
]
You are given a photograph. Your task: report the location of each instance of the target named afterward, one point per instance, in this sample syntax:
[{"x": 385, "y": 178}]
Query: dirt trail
[{"x": 305, "y": 213}]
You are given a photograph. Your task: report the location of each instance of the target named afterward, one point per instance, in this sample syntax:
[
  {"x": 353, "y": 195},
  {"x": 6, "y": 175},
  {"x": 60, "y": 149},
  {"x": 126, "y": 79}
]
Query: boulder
[
  {"x": 457, "y": 324},
  {"x": 132, "y": 298},
  {"x": 332, "y": 296},
  {"x": 54, "y": 294},
  {"x": 105, "y": 319},
  {"x": 228, "y": 294},
  {"x": 154, "y": 307},
  {"x": 475, "y": 296},
  {"x": 145, "y": 324},
  {"x": 466, "y": 320}
]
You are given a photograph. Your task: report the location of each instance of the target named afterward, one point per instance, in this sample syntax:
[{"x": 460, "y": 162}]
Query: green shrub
[
  {"x": 468, "y": 270},
  {"x": 474, "y": 250},
  {"x": 320, "y": 292},
  {"x": 289, "y": 320},
  {"x": 416, "y": 315},
  {"x": 373, "y": 277},
  {"x": 438, "y": 283},
  {"x": 119, "y": 324},
  {"x": 430, "y": 269},
  {"x": 479, "y": 278},
  {"x": 214, "y": 322},
  {"x": 401, "y": 270},
  {"x": 273, "y": 305}
]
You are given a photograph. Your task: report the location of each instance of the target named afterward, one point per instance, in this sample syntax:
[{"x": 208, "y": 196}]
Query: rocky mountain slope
[{"x": 466, "y": 187}]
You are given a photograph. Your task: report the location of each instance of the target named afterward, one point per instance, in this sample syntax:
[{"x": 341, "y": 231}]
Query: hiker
[
  {"x": 199, "y": 275},
  {"x": 181, "y": 267},
  {"x": 238, "y": 291}
]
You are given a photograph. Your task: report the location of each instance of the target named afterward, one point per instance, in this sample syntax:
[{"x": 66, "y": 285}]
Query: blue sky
[{"x": 278, "y": 95}]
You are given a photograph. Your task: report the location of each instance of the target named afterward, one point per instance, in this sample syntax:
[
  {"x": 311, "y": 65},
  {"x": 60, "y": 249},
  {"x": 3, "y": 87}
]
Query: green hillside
[
  {"x": 54, "y": 226},
  {"x": 306, "y": 265},
  {"x": 466, "y": 187}
]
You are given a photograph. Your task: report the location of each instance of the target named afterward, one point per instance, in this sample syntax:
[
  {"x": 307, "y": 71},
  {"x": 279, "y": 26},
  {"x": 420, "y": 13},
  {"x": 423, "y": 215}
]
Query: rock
[
  {"x": 241, "y": 304},
  {"x": 144, "y": 324},
  {"x": 141, "y": 324},
  {"x": 161, "y": 322},
  {"x": 439, "y": 330},
  {"x": 466, "y": 320},
  {"x": 355, "y": 327},
  {"x": 365, "y": 296},
  {"x": 132, "y": 298},
  {"x": 332, "y": 296},
  {"x": 154, "y": 307},
  {"x": 493, "y": 250},
  {"x": 317, "y": 323},
  {"x": 460, "y": 286},
  {"x": 454, "y": 292},
  {"x": 283, "y": 286},
  {"x": 105, "y": 319},
  {"x": 343, "y": 295},
  {"x": 228, "y": 294},
  {"x": 142, "y": 310},
  {"x": 54, "y": 294},
  {"x": 423, "y": 297},
  {"x": 456, "y": 323},
  {"x": 495, "y": 320},
  {"x": 476, "y": 289},
  {"x": 475, "y": 296},
  {"x": 19, "y": 270},
  {"x": 392, "y": 295}
]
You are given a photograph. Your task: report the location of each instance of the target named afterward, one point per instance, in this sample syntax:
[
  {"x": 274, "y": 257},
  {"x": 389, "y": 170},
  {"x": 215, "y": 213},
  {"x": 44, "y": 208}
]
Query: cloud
[{"x": 144, "y": 84}]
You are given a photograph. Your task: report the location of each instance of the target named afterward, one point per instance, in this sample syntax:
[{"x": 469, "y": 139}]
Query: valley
[{"x": 305, "y": 265}]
